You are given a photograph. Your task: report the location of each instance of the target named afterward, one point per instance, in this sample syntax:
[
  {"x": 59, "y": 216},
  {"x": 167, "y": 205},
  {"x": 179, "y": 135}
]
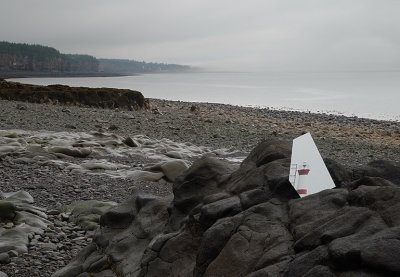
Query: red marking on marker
[
  {"x": 302, "y": 191},
  {"x": 303, "y": 171}
]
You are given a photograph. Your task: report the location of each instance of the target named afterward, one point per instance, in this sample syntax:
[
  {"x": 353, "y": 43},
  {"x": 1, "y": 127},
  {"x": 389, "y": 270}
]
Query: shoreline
[
  {"x": 30, "y": 74},
  {"x": 374, "y": 115},
  {"x": 20, "y": 74},
  {"x": 387, "y": 118},
  {"x": 217, "y": 125}
]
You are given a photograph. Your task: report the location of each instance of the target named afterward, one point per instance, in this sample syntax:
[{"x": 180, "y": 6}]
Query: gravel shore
[{"x": 348, "y": 140}]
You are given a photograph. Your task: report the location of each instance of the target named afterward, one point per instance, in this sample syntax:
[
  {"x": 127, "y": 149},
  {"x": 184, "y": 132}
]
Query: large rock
[
  {"x": 19, "y": 197},
  {"x": 93, "y": 97},
  {"x": 388, "y": 170},
  {"x": 385, "y": 200},
  {"x": 209, "y": 213},
  {"x": 125, "y": 233},
  {"x": 202, "y": 179},
  {"x": 249, "y": 221},
  {"x": 253, "y": 240},
  {"x": 23, "y": 220},
  {"x": 173, "y": 169},
  {"x": 16, "y": 238},
  {"x": 87, "y": 213},
  {"x": 307, "y": 214},
  {"x": 341, "y": 175},
  {"x": 267, "y": 164}
]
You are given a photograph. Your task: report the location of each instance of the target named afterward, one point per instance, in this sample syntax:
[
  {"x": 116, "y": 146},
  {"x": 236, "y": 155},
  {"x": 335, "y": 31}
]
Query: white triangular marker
[{"x": 308, "y": 172}]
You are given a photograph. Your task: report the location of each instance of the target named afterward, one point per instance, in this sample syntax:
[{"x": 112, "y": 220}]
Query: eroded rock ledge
[
  {"x": 80, "y": 96},
  {"x": 224, "y": 221}
]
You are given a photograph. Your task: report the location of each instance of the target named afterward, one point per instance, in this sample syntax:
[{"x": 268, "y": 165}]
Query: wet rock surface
[
  {"x": 218, "y": 217},
  {"x": 348, "y": 140},
  {"x": 225, "y": 220},
  {"x": 74, "y": 178}
]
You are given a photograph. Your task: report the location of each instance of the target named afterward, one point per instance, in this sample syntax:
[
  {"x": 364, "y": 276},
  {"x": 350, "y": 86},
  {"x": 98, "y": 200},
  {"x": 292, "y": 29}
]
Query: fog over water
[
  {"x": 314, "y": 54},
  {"x": 366, "y": 94},
  {"x": 274, "y": 35}
]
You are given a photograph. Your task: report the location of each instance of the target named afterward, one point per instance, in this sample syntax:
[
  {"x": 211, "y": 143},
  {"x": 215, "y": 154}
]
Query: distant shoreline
[{"x": 30, "y": 74}]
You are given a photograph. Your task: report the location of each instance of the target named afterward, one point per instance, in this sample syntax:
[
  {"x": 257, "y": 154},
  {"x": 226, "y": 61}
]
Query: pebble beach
[{"x": 192, "y": 129}]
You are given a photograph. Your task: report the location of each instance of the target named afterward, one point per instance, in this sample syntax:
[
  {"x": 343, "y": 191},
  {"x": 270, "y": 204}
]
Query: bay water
[{"x": 364, "y": 94}]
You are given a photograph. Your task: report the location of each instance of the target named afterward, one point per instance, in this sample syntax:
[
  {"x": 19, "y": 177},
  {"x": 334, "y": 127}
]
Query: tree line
[{"x": 39, "y": 58}]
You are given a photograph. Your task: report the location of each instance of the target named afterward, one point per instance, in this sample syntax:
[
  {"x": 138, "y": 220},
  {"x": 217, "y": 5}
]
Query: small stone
[
  {"x": 66, "y": 110},
  {"x": 103, "y": 188},
  {"x": 7, "y": 210},
  {"x": 64, "y": 216},
  {"x": 48, "y": 246},
  {"x": 113, "y": 128},
  {"x": 78, "y": 238},
  {"x": 70, "y": 126},
  {"x": 155, "y": 110},
  {"x": 33, "y": 242},
  {"x": 22, "y": 107},
  {"x": 53, "y": 212},
  {"x": 37, "y": 263},
  {"x": 4, "y": 258},
  {"x": 194, "y": 108},
  {"x": 59, "y": 223},
  {"x": 12, "y": 253},
  {"x": 130, "y": 142}
]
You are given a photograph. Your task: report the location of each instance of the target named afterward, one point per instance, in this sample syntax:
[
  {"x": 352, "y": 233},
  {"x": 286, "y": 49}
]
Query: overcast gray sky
[{"x": 223, "y": 34}]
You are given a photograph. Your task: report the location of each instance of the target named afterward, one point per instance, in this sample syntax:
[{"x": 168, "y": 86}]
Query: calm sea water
[{"x": 364, "y": 94}]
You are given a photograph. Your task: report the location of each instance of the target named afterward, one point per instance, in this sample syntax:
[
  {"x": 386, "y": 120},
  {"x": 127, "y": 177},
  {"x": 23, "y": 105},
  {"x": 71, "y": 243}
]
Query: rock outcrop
[
  {"x": 249, "y": 221},
  {"x": 80, "y": 96}
]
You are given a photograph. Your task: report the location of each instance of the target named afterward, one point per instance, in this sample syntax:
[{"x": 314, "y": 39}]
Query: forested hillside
[
  {"x": 38, "y": 58},
  {"x": 132, "y": 66},
  {"x": 22, "y": 57}
]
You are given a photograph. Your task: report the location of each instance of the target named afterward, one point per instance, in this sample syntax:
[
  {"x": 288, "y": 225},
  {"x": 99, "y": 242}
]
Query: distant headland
[{"x": 19, "y": 60}]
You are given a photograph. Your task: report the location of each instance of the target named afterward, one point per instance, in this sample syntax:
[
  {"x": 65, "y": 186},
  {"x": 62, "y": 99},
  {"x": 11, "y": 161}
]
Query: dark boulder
[
  {"x": 120, "y": 216},
  {"x": 267, "y": 152},
  {"x": 306, "y": 262},
  {"x": 254, "y": 239},
  {"x": 202, "y": 179},
  {"x": 388, "y": 170},
  {"x": 249, "y": 221},
  {"x": 384, "y": 200},
  {"x": 225, "y": 207},
  {"x": 341, "y": 175}
]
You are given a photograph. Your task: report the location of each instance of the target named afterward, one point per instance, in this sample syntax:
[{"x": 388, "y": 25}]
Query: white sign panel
[{"x": 308, "y": 172}]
